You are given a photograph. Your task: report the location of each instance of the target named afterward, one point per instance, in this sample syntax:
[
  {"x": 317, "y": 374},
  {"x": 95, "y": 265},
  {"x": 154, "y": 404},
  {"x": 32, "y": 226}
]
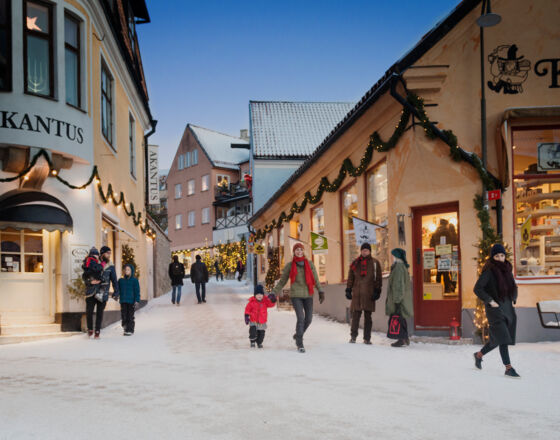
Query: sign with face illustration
[{"x": 509, "y": 71}]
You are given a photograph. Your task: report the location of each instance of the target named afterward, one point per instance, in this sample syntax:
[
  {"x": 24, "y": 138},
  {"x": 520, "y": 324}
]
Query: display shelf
[
  {"x": 539, "y": 197},
  {"x": 539, "y": 212},
  {"x": 537, "y": 182}
]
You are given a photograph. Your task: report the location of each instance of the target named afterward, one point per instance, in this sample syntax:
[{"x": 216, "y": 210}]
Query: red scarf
[
  {"x": 363, "y": 265},
  {"x": 309, "y": 279}
]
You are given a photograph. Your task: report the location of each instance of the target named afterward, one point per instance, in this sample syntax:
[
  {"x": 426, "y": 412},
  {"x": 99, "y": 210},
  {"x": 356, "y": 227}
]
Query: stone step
[
  {"x": 28, "y": 329},
  {"x": 16, "y": 339}
]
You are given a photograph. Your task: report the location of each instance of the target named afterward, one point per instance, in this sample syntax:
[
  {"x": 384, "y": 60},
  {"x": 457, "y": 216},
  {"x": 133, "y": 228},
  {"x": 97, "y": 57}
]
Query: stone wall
[{"x": 162, "y": 258}]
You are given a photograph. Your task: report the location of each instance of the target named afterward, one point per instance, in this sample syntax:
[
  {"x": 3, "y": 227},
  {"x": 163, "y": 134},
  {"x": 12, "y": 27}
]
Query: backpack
[{"x": 176, "y": 270}]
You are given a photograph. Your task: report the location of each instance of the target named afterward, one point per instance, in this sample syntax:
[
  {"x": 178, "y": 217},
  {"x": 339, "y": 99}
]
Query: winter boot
[
  {"x": 90, "y": 333},
  {"x": 252, "y": 344},
  {"x": 399, "y": 343},
  {"x": 367, "y": 342},
  {"x": 510, "y": 372},
  {"x": 477, "y": 361},
  {"x": 301, "y": 349},
  {"x": 96, "y": 334},
  {"x": 127, "y": 334},
  {"x": 260, "y": 345},
  {"x": 352, "y": 341}
]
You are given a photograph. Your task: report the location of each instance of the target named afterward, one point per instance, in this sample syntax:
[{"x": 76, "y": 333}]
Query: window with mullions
[
  {"x": 377, "y": 212},
  {"x": 21, "y": 251},
  {"x": 72, "y": 59},
  {"x": 536, "y": 169},
  {"x": 106, "y": 104},
  {"x": 38, "y": 48},
  {"x": 349, "y": 209},
  {"x": 5, "y": 46}
]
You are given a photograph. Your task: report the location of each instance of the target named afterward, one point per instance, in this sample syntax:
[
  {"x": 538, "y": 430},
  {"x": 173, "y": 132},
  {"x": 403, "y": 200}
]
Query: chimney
[{"x": 244, "y": 134}]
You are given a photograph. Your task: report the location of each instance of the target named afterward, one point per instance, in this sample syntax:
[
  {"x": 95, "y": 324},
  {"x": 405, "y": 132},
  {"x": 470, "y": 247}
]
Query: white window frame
[
  {"x": 205, "y": 183},
  {"x": 180, "y": 162},
  {"x": 192, "y": 219},
  {"x": 111, "y": 139},
  {"x": 205, "y": 216},
  {"x": 194, "y": 159},
  {"x": 187, "y": 159},
  {"x": 191, "y": 187},
  {"x": 179, "y": 193},
  {"x": 220, "y": 177},
  {"x": 179, "y": 221}
]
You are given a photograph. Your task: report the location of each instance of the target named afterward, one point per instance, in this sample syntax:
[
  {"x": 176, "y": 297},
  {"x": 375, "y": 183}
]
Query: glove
[
  {"x": 376, "y": 294},
  {"x": 272, "y": 297},
  {"x": 348, "y": 293},
  {"x": 247, "y": 319},
  {"x": 321, "y": 297}
]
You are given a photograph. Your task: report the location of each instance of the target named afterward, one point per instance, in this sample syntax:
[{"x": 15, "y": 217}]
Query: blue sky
[{"x": 204, "y": 60}]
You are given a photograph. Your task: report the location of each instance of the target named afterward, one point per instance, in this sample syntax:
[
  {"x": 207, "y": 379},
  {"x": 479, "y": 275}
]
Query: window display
[
  {"x": 536, "y": 165},
  {"x": 377, "y": 212},
  {"x": 17, "y": 247},
  {"x": 318, "y": 226},
  {"x": 349, "y": 201}
]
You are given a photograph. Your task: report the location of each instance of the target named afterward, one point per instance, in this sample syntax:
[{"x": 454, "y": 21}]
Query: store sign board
[
  {"x": 444, "y": 249},
  {"x": 319, "y": 244},
  {"x": 259, "y": 249},
  {"x": 78, "y": 252},
  {"x": 13, "y": 120},
  {"x": 429, "y": 258},
  {"x": 548, "y": 156},
  {"x": 153, "y": 175}
]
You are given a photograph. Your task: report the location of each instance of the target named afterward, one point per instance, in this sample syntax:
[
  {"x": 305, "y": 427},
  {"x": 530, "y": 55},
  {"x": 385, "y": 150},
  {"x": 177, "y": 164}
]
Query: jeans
[
  {"x": 218, "y": 275},
  {"x": 504, "y": 351},
  {"x": 256, "y": 335},
  {"x": 356, "y": 324},
  {"x": 304, "y": 313},
  {"x": 127, "y": 317},
  {"x": 198, "y": 287},
  {"x": 91, "y": 303},
  {"x": 178, "y": 289}
]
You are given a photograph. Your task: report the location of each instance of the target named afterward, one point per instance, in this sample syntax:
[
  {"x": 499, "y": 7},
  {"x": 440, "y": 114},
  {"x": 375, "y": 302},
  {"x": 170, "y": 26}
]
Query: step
[
  {"x": 16, "y": 339},
  {"x": 28, "y": 329},
  {"x": 440, "y": 340}
]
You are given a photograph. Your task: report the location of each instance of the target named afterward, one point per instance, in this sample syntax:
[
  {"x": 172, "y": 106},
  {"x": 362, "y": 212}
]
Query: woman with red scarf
[
  {"x": 303, "y": 279},
  {"x": 497, "y": 289}
]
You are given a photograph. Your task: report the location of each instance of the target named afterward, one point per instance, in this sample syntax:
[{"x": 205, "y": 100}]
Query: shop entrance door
[{"x": 436, "y": 266}]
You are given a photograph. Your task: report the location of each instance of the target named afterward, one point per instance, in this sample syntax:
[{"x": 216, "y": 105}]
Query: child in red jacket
[{"x": 256, "y": 315}]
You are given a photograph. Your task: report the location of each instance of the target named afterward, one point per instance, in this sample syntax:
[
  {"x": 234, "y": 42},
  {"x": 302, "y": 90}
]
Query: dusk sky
[{"x": 204, "y": 60}]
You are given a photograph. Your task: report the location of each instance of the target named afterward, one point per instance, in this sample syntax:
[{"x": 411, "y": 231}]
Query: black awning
[{"x": 33, "y": 209}]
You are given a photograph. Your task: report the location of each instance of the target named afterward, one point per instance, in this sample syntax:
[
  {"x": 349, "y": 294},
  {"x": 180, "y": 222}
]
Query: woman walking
[
  {"x": 497, "y": 289},
  {"x": 399, "y": 295},
  {"x": 303, "y": 278}
]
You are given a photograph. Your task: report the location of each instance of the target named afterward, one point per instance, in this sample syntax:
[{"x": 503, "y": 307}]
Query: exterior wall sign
[
  {"x": 77, "y": 254},
  {"x": 548, "y": 156},
  {"x": 41, "y": 124},
  {"x": 153, "y": 175},
  {"x": 319, "y": 244}
]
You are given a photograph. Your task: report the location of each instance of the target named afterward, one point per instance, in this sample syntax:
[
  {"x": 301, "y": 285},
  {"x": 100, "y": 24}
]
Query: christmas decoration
[
  {"x": 273, "y": 272},
  {"x": 128, "y": 258},
  {"x": 76, "y": 287}
]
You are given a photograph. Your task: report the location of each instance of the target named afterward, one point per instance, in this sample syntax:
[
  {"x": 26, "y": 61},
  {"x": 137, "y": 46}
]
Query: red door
[{"x": 436, "y": 266}]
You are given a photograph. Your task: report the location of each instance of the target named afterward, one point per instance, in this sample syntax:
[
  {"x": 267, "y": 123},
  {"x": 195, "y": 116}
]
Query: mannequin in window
[{"x": 448, "y": 232}]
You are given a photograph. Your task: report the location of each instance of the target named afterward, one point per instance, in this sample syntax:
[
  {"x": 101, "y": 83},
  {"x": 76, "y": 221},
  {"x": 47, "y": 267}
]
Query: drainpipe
[
  {"x": 146, "y": 158},
  {"x": 254, "y": 262}
]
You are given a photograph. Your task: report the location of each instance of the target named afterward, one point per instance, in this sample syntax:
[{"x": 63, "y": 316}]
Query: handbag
[{"x": 397, "y": 327}]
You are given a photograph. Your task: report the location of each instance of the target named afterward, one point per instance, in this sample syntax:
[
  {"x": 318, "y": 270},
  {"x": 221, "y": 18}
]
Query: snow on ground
[{"x": 188, "y": 373}]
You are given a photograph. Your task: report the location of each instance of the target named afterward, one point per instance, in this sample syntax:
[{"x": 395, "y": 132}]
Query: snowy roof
[
  {"x": 292, "y": 129},
  {"x": 218, "y": 147}
]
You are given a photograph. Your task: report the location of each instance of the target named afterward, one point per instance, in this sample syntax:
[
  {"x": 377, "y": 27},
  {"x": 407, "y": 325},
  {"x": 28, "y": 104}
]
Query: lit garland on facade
[{"x": 108, "y": 196}]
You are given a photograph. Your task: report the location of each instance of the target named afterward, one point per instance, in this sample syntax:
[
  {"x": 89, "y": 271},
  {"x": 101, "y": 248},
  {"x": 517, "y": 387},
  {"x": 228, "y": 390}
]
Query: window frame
[
  {"x": 22, "y": 253},
  {"x": 193, "y": 213},
  {"x": 203, "y": 210},
  {"x": 132, "y": 144},
  {"x": 207, "y": 176},
  {"x": 110, "y": 100},
  {"x": 78, "y": 52},
  {"x": 194, "y": 158},
  {"x": 41, "y": 35},
  {"x": 8, "y": 28},
  {"x": 178, "y": 185},
  {"x": 187, "y": 159},
  {"x": 189, "y": 193},
  {"x": 354, "y": 182},
  {"x": 178, "y": 221}
]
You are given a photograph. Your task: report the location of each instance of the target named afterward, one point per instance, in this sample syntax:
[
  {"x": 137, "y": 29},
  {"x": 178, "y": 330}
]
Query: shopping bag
[{"x": 397, "y": 328}]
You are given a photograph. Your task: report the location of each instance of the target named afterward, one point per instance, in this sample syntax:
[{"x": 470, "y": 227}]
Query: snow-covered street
[{"x": 188, "y": 373}]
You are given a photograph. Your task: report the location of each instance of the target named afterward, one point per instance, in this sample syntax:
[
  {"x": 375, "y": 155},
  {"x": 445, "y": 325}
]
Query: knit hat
[
  {"x": 93, "y": 251},
  {"x": 297, "y": 245},
  {"x": 104, "y": 249},
  {"x": 400, "y": 254},
  {"x": 365, "y": 246},
  {"x": 259, "y": 289},
  {"x": 198, "y": 257},
  {"x": 497, "y": 249}
]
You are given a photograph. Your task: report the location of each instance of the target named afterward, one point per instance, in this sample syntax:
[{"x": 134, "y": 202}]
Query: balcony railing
[
  {"x": 232, "y": 221},
  {"x": 230, "y": 190}
]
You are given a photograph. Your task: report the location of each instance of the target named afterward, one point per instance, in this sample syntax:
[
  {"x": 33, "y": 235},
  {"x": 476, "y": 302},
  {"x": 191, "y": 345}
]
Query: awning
[{"x": 32, "y": 209}]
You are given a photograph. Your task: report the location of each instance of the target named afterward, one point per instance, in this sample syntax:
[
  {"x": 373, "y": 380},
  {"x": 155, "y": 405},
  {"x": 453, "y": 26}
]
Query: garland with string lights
[
  {"x": 108, "y": 196},
  {"x": 377, "y": 144},
  {"x": 226, "y": 254},
  {"x": 273, "y": 272}
]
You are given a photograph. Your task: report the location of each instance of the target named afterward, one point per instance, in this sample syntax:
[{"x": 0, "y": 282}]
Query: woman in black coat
[{"x": 497, "y": 289}]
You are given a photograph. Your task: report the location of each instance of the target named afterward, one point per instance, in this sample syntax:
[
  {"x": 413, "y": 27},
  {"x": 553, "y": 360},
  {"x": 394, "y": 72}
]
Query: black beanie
[
  {"x": 104, "y": 249},
  {"x": 259, "y": 289},
  {"x": 497, "y": 249},
  {"x": 198, "y": 257},
  {"x": 365, "y": 246}
]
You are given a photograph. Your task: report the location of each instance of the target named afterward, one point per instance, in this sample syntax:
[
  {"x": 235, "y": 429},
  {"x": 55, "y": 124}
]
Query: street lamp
[{"x": 487, "y": 19}]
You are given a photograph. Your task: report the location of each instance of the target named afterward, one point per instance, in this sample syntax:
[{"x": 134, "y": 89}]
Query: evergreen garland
[{"x": 273, "y": 272}]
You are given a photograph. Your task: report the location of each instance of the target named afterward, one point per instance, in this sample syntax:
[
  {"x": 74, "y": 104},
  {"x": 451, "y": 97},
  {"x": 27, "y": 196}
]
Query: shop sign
[
  {"x": 259, "y": 249},
  {"x": 41, "y": 124},
  {"x": 364, "y": 231},
  {"x": 78, "y": 252},
  {"x": 319, "y": 244},
  {"x": 494, "y": 194},
  {"x": 153, "y": 175},
  {"x": 444, "y": 249},
  {"x": 548, "y": 156},
  {"x": 429, "y": 258},
  {"x": 444, "y": 265}
]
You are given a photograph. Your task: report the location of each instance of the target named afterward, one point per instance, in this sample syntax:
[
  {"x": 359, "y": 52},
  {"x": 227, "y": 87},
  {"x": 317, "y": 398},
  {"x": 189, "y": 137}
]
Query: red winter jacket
[{"x": 257, "y": 310}]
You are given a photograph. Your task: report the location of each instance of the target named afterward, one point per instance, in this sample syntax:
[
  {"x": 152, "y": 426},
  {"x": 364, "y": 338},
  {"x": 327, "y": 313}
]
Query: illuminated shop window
[
  {"x": 377, "y": 212},
  {"x": 21, "y": 251},
  {"x": 349, "y": 209}
]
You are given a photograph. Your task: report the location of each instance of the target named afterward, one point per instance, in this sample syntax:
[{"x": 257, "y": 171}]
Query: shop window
[
  {"x": 205, "y": 216},
  {"x": 106, "y": 104},
  {"x": 191, "y": 219},
  {"x": 536, "y": 169},
  {"x": 108, "y": 235},
  {"x": 194, "y": 160},
  {"x": 349, "y": 205},
  {"x": 72, "y": 59},
  {"x": 318, "y": 226},
  {"x": 178, "y": 191},
  {"x": 38, "y": 48},
  {"x": 131, "y": 147},
  {"x": 179, "y": 221},
  {"x": 377, "y": 212},
  {"x": 205, "y": 185},
  {"x": 190, "y": 187},
  {"x": 21, "y": 251},
  {"x": 5, "y": 46}
]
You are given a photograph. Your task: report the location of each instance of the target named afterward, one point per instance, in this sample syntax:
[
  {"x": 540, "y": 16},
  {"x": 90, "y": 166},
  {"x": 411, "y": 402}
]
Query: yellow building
[
  {"x": 418, "y": 185},
  {"x": 75, "y": 113}
]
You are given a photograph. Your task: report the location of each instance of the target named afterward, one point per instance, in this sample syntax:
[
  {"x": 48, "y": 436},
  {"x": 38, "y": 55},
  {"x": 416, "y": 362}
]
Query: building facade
[
  {"x": 75, "y": 118},
  {"x": 389, "y": 163}
]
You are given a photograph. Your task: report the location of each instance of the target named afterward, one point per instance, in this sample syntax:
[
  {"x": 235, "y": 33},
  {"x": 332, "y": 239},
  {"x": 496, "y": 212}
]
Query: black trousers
[
  {"x": 127, "y": 317},
  {"x": 91, "y": 304},
  {"x": 240, "y": 275},
  {"x": 218, "y": 275},
  {"x": 356, "y": 324},
  {"x": 256, "y": 335},
  {"x": 200, "y": 287},
  {"x": 304, "y": 313},
  {"x": 504, "y": 351}
]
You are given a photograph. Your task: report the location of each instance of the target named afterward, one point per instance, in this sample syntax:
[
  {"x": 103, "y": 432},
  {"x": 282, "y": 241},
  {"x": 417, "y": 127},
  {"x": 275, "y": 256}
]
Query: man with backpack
[
  {"x": 199, "y": 277},
  {"x": 176, "y": 274}
]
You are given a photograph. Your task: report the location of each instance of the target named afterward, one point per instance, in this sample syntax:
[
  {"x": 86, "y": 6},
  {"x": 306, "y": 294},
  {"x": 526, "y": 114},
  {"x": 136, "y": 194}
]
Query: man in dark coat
[
  {"x": 448, "y": 232},
  {"x": 363, "y": 288},
  {"x": 199, "y": 276},
  {"x": 176, "y": 275},
  {"x": 240, "y": 269}
]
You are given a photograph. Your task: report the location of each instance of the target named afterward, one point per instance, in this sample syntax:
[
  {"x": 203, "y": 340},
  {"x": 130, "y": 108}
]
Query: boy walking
[
  {"x": 129, "y": 289},
  {"x": 256, "y": 315}
]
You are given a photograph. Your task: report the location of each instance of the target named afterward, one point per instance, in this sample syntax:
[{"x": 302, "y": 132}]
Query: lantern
[{"x": 454, "y": 330}]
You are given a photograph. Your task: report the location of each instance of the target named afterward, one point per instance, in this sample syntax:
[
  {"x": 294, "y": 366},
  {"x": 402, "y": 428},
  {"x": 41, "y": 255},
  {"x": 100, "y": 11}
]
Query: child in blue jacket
[{"x": 129, "y": 291}]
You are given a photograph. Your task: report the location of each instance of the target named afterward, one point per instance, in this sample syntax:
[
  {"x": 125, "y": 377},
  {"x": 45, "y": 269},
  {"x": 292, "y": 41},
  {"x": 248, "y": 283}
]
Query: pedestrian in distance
[
  {"x": 219, "y": 273},
  {"x": 303, "y": 280},
  {"x": 240, "y": 268},
  {"x": 256, "y": 315},
  {"x": 176, "y": 275},
  {"x": 497, "y": 289},
  {"x": 129, "y": 296},
  {"x": 399, "y": 294},
  {"x": 363, "y": 288},
  {"x": 199, "y": 277}
]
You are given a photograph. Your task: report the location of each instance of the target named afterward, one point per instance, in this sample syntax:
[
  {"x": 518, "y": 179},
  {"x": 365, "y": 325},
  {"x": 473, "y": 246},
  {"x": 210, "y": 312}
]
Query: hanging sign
[
  {"x": 429, "y": 258},
  {"x": 444, "y": 265},
  {"x": 494, "y": 195},
  {"x": 153, "y": 175},
  {"x": 548, "y": 156},
  {"x": 78, "y": 253},
  {"x": 259, "y": 249},
  {"x": 319, "y": 244},
  {"x": 364, "y": 231}
]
